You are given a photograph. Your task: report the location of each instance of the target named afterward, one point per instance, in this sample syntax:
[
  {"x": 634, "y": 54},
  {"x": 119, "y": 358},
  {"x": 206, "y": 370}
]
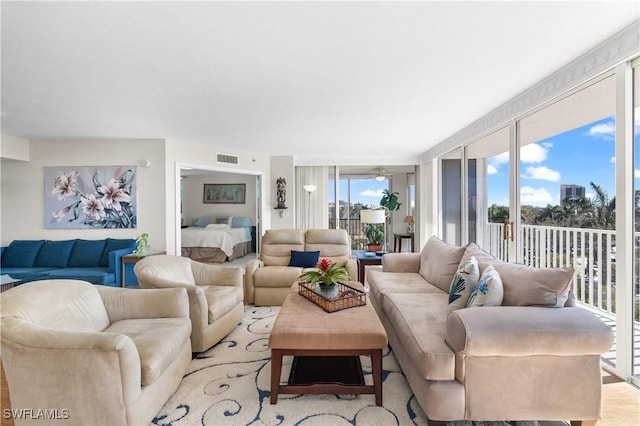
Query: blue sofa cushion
[
  {"x": 21, "y": 253},
  {"x": 94, "y": 275},
  {"x": 86, "y": 253},
  {"x": 54, "y": 253},
  {"x": 115, "y": 244}
]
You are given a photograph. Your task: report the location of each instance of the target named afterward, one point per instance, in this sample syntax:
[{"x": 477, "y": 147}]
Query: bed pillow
[
  {"x": 241, "y": 222},
  {"x": 202, "y": 221},
  {"x": 217, "y": 226},
  {"x": 304, "y": 259},
  {"x": 225, "y": 220}
]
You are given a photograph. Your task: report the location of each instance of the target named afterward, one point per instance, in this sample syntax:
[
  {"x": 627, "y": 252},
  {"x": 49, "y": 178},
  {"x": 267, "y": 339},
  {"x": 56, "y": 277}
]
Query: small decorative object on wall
[
  {"x": 90, "y": 197},
  {"x": 224, "y": 193},
  {"x": 281, "y": 193}
]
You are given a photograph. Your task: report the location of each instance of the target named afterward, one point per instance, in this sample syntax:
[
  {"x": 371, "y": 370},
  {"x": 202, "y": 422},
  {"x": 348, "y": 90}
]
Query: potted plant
[
  {"x": 390, "y": 201},
  {"x": 143, "y": 242},
  {"x": 327, "y": 274},
  {"x": 375, "y": 236}
]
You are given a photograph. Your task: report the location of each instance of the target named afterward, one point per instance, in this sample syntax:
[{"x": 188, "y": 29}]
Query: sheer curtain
[{"x": 312, "y": 208}]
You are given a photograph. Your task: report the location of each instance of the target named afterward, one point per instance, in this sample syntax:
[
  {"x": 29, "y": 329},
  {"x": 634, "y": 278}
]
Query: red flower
[{"x": 324, "y": 264}]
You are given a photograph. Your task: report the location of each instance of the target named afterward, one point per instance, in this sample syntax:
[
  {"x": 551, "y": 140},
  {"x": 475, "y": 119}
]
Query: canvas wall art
[
  {"x": 227, "y": 193},
  {"x": 90, "y": 197}
]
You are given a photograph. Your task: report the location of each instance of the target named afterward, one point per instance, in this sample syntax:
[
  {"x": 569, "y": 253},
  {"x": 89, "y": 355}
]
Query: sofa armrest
[
  {"x": 115, "y": 263},
  {"x": 513, "y": 331},
  {"x": 122, "y": 303},
  {"x": 401, "y": 262},
  {"x": 221, "y": 275},
  {"x": 252, "y": 266}
]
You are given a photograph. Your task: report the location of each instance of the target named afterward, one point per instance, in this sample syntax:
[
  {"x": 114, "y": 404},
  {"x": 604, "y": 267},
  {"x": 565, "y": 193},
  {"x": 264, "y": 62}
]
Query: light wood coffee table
[{"x": 304, "y": 329}]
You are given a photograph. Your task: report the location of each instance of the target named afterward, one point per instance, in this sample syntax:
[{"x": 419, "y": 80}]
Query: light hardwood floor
[{"x": 621, "y": 402}]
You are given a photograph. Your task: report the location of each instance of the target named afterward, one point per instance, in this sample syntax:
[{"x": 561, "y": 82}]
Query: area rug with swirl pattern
[{"x": 229, "y": 385}]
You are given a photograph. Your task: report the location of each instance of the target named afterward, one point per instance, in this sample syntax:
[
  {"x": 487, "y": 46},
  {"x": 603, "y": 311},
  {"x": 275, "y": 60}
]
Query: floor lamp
[{"x": 309, "y": 188}]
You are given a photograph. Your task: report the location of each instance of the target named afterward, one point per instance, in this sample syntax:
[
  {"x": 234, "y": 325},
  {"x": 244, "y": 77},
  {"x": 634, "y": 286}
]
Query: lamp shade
[
  {"x": 409, "y": 219},
  {"x": 372, "y": 216},
  {"x": 309, "y": 188}
]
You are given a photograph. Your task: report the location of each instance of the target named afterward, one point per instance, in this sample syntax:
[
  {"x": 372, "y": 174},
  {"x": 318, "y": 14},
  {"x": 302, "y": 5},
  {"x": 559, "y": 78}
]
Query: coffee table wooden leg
[
  {"x": 376, "y": 366},
  {"x": 276, "y": 367}
]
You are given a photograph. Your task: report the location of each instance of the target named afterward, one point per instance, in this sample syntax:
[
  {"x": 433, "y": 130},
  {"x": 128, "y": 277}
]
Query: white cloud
[
  {"x": 491, "y": 170},
  {"x": 534, "y": 153},
  {"x": 535, "y": 196},
  {"x": 371, "y": 193},
  {"x": 547, "y": 144},
  {"x": 636, "y": 173},
  {"x": 541, "y": 173},
  {"x": 498, "y": 160},
  {"x": 613, "y": 160},
  {"x": 605, "y": 130}
]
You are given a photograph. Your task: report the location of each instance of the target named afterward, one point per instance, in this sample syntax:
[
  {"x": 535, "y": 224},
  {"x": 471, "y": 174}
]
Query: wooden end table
[
  {"x": 133, "y": 258},
  {"x": 364, "y": 261}
]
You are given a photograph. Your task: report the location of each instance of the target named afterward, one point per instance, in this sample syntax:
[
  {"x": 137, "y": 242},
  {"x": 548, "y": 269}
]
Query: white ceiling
[{"x": 383, "y": 81}]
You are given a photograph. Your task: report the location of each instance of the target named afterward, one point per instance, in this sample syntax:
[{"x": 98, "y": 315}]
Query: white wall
[
  {"x": 14, "y": 148},
  {"x": 193, "y": 206},
  {"x": 22, "y": 185}
]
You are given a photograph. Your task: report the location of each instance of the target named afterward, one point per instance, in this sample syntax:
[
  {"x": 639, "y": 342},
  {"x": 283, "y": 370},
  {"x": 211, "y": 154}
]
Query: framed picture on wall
[{"x": 224, "y": 193}]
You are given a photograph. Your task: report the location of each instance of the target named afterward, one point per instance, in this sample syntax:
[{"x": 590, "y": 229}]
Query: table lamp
[{"x": 410, "y": 224}]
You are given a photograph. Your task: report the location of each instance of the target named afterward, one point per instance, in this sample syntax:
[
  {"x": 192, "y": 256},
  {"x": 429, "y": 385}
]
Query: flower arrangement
[
  {"x": 142, "y": 243},
  {"x": 327, "y": 273}
]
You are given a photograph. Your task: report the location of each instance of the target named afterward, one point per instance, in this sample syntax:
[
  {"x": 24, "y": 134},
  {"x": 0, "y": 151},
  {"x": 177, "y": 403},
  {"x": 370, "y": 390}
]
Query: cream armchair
[
  {"x": 90, "y": 354},
  {"x": 215, "y": 293}
]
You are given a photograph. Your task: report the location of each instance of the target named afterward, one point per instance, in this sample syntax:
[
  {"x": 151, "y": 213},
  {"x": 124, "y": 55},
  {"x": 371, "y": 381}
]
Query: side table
[
  {"x": 397, "y": 242},
  {"x": 8, "y": 282},
  {"x": 364, "y": 260},
  {"x": 134, "y": 258}
]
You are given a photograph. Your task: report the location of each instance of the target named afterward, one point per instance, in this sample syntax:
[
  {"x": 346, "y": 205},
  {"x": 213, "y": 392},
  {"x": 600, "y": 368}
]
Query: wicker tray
[{"x": 347, "y": 296}]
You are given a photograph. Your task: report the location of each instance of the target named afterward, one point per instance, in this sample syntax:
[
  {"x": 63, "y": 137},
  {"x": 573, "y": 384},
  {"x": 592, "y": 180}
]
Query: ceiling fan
[{"x": 380, "y": 175}]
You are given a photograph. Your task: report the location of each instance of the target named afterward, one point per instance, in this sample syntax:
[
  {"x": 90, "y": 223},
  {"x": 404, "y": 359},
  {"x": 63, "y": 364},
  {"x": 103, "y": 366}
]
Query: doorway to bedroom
[{"x": 219, "y": 215}]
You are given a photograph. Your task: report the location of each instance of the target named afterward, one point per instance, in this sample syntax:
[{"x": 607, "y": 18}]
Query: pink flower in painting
[
  {"x": 93, "y": 208},
  {"x": 61, "y": 213},
  {"x": 113, "y": 194},
  {"x": 65, "y": 185}
]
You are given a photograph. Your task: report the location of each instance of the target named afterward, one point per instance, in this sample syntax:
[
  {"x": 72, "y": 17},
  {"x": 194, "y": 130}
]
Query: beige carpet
[{"x": 229, "y": 385}]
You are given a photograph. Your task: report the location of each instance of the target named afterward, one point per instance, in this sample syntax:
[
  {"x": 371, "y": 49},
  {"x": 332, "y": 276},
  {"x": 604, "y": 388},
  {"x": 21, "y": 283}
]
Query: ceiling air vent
[{"x": 227, "y": 159}]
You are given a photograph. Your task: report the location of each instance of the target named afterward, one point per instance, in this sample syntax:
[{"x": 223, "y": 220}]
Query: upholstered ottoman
[{"x": 305, "y": 329}]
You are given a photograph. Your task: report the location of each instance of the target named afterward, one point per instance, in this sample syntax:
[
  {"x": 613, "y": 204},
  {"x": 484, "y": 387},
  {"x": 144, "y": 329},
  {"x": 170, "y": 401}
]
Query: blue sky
[{"x": 577, "y": 157}]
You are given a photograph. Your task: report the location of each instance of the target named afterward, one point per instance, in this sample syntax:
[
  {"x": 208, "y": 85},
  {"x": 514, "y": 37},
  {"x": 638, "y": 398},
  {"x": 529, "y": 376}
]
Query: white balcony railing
[{"x": 591, "y": 252}]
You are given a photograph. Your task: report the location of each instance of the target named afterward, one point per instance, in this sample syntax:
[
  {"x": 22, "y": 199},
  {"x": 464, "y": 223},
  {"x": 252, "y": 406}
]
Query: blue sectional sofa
[{"x": 96, "y": 261}]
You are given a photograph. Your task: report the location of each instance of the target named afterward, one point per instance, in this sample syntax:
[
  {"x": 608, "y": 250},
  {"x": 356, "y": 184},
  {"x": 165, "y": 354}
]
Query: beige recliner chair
[
  {"x": 90, "y": 354},
  {"x": 215, "y": 293},
  {"x": 269, "y": 278}
]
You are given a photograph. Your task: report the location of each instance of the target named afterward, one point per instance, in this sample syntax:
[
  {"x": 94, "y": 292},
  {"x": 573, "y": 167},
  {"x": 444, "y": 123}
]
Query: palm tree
[{"x": 604, "y": 208}]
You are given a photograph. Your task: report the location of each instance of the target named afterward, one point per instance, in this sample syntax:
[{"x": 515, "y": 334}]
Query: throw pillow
[
  {"x": 439, "y": 262},
  {"x": 304, "y": 259},
  {"x": 464, "y": 283},
  {"x": 202, "y": 221},
  {"x": 225, "y": 220},
  {"x": 489, "y": 290}
]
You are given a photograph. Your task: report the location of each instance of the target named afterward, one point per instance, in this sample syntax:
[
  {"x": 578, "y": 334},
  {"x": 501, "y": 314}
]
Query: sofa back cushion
[
  {"x": 439, "y": 262},
  {"x": 278, "y": 243},
  {"x": 21, "y": 253},
  {"x": 115, "y": 244},
  {"x": 54, "y": 254},
  {"x": 69, "y": 305},
  {"x": 525, "y": 285},
  {"x": 87, "y": 253},
  {"x": 333, "y": 244}
]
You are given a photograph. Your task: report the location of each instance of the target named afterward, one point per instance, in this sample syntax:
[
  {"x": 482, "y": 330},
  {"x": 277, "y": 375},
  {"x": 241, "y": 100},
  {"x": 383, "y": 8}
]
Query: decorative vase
[{"x": 329, "y": 291}]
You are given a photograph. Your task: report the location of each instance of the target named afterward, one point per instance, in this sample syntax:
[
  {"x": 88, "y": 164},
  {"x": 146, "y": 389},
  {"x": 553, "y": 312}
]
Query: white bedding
[{"x": 224, "y": 239}]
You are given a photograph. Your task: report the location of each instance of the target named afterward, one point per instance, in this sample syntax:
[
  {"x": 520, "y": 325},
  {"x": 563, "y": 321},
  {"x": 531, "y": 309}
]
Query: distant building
[{"x": 567, "y": 191}]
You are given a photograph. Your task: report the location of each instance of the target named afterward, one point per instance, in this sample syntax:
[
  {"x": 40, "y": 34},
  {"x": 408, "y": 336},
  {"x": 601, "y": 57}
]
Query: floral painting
[{"x": 90, "y": 197}]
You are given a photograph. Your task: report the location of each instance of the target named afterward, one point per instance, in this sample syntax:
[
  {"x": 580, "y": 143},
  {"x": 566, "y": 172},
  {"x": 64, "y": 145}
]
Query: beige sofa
[
  {"x": 92, "y": 355},
  {"x": 215, "y": 293},
  {"x": 267, "y": 280},
  {"x": 534, "y": 357}
]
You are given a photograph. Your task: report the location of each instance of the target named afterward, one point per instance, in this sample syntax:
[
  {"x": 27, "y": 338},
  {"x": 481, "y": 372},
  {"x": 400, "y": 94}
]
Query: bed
[{"x": 217, "y": 240}]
